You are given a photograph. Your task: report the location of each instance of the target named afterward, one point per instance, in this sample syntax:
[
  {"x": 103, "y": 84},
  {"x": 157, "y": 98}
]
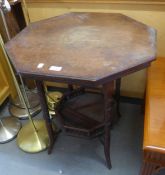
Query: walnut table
[{"x": 86, "y": 49}]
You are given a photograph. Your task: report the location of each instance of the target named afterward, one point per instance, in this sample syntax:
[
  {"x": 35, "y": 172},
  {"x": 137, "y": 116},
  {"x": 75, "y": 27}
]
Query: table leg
[
  {"x": 108, "y": 90},
  {"x": 70, "y": 87},
  {"x": 117, "y": 96},
  {"x": 46, "y": 116}
]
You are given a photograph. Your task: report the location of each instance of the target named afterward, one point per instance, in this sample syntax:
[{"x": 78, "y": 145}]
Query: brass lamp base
[
  {"x": 32, "y": 97},
  {"x": 9, "y": 128},
  {"x": 17, "y": 108},
  {"x": 21, "y": 113},
  {"x": 30, "y": 141}
]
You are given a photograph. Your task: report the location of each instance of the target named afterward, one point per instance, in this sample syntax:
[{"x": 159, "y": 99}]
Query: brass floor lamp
[
  {"x": 9, "y": 126},
  {"x": 33, "y": 136},
  {"x": 18, "y": 110},
  {"x": 16, "y": 107}
]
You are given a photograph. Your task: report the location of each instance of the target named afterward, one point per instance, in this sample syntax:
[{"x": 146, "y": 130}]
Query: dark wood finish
[
  {"x": 76, "y": 37},
  {"x": 18, "y": 14},
  {"x": 70, "y": 87},
  {"x": 79, "y": 118},
  {"x": 15, "y": 21},
  {"x": 117, "y": 95},
  {"x": 12, "y": 23},
  {"x": 108, "y": 90},
  {"x": 154, "y": 126},
  {"x": 91, "y": 49},
  {"x": 75, "y": 122}
]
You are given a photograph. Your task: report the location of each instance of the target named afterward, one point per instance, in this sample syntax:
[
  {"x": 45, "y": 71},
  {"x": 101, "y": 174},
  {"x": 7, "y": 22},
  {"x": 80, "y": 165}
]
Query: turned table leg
[
  {"x": 46, "y": 116},
  {"x": 117, "y": 96},
  {"x": 70, "y": 87},
  {"x": 108, "y": 90}
]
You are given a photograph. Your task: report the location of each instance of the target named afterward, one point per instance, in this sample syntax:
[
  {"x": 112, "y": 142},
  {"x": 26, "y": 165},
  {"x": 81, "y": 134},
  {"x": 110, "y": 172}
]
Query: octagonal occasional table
[{"x": 86, "y": 49}]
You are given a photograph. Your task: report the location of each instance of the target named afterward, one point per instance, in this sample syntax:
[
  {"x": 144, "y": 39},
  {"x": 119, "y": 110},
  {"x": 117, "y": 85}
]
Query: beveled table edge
[{"x": 89, "y": 82}]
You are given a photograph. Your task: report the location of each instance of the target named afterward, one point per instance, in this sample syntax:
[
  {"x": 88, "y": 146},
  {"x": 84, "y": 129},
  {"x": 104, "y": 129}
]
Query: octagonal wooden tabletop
[{"x": 78, "y": 47}]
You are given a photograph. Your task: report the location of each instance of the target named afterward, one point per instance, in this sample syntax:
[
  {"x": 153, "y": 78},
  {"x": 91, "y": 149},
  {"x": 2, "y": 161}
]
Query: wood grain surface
[
  {"x": 154, "y": 129},
  {"x": 84, "y": 47}
]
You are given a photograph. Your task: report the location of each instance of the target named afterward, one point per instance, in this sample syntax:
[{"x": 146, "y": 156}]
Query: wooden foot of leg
[{"x": 107, "y": 146}]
